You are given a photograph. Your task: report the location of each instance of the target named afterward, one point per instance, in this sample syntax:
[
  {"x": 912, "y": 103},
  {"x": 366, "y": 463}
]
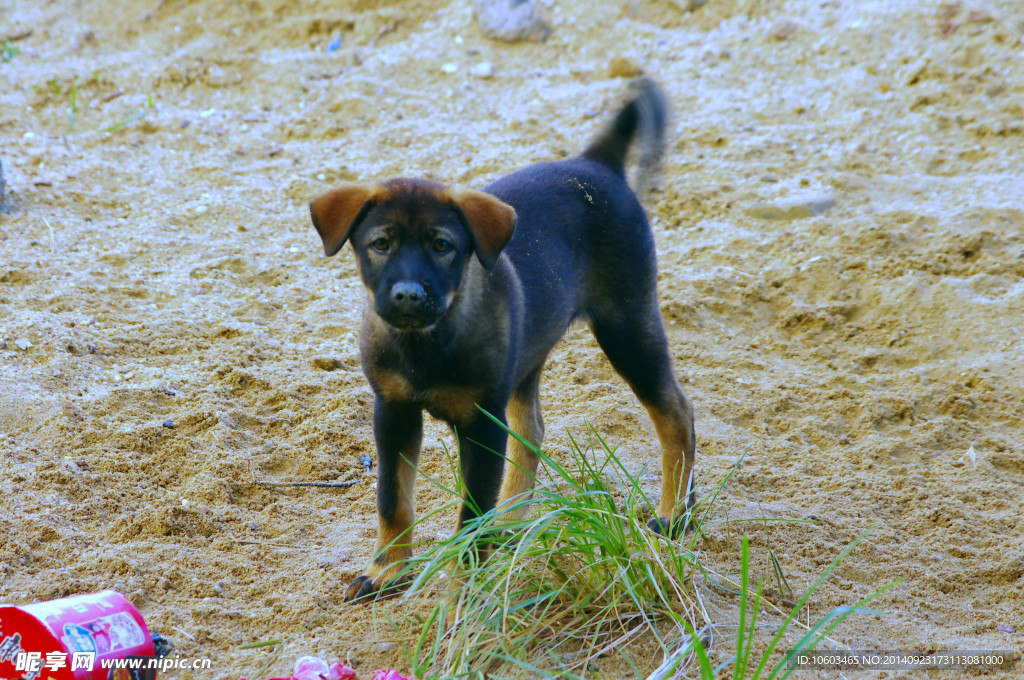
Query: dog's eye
[
  {"x": 442, "y": 245},
  {"x": 381, "y": 245}
]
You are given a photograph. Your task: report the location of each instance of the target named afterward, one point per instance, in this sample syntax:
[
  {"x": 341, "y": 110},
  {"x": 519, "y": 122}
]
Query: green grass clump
[
  {"x": 582, "y": 576},
  {"x": 80, "y": 87},
  {"x": 8, "y": 52},
  {"x": 141, "y": 113}
]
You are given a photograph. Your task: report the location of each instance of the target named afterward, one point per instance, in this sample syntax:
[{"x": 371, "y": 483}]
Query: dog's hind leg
[
  {"x": 634, "y": 341},
  {"x": 524, "y": 419}
]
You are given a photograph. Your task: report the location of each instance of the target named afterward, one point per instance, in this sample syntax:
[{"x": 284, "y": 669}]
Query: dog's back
[{"x": 582, "y": 246}]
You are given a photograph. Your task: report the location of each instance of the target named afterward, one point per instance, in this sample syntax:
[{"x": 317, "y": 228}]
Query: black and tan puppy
[{"x": 470, "y": 290}]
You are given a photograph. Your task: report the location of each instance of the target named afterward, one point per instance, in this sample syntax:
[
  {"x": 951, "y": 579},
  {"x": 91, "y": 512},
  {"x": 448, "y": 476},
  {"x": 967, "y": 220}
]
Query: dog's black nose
[{"x": 407, "y": 296}]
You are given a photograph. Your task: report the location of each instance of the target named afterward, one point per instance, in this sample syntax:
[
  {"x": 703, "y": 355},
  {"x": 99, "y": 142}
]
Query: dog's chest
[{"x": 449, "y": 401}]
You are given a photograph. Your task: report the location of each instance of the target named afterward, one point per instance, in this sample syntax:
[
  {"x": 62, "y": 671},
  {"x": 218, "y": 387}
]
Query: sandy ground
[{"x": 839, "y": 225}]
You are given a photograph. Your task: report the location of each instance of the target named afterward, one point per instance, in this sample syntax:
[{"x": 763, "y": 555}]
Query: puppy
[{"x": 469, "y": 291}]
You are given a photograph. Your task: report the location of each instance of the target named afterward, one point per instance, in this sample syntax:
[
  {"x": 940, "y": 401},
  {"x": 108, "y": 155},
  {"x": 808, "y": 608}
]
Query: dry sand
[{"x": 839, "y": 225}]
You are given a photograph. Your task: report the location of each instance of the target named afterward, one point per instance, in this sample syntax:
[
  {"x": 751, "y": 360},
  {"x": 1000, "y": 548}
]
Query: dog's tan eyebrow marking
[
  {"x": 439, "y": 230},
  {"x": 387, "y": 230}
]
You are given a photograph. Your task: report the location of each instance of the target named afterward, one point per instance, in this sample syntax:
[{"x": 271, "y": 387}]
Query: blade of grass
[
  {"x": 141, "y": 113},
  {"x": 820, "y": 630},
  {"x": 807, "y": 596},
  {"x": 74, "y": 104},
  {"x": 9, "y": 52},
  {"x": 744, "y": 585}
]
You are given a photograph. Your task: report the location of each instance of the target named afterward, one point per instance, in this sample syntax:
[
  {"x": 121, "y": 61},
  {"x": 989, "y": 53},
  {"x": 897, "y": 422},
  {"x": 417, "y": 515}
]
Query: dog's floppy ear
[
  {"x": 337, "y": 211},
  {"x": 490, "y": 221}
]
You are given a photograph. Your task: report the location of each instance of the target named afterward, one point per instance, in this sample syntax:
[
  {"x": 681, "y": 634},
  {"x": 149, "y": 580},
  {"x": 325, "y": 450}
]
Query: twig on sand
[
  {"x": 184, "y": 633},
  {"x": 383, "y": 31},
  {"x": 272, "y": 544},
  {"x": 50, "y": 227},
  {"x": 333, "y": 485}
]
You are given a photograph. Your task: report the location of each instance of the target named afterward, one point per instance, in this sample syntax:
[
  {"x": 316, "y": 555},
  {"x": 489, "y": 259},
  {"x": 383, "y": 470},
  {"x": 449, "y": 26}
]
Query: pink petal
[
  {"x": 311, "y": 668},
  {"x": 390, "y": 675},
  {"x": 340, "y": 671}
]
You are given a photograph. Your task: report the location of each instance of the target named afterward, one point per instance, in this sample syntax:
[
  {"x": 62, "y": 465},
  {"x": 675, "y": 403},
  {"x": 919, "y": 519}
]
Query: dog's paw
[
  {"x": 673, "y": 529},
  {"x": 384, "y": 584},
  {"x": 360, "y": 589}
]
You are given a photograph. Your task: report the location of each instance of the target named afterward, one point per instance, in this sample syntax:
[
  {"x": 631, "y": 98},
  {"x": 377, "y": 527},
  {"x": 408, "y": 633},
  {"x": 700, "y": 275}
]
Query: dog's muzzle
[{"x": 409, "y": 307}]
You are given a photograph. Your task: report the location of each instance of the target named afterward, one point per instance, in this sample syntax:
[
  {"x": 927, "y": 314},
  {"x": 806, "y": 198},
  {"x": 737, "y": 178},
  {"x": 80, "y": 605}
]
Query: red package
[{"x": 75, "y": 638}]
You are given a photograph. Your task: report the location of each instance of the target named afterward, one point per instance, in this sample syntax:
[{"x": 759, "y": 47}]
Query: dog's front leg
[
  {"x": 398, "y": 430},
  {"x": 482, "y": 460}
]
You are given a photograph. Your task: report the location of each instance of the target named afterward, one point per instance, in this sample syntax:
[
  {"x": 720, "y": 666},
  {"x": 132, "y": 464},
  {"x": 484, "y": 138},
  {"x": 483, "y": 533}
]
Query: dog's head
[{"x": 413, "y": 240}]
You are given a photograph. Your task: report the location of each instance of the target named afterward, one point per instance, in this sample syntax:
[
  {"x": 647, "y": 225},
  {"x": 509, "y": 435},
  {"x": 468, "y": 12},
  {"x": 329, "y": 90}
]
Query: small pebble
[
  {"x": 168, "y": 423},
  {"x": 72, "y": 410},
  {"x": 783, "y": 29},
  {"x": 511, "y": 20},
  {"x": 22, "y": 344},
  {"x": 623, "y": 67},
  {"x": 482, "y": 70},
  {"x": 227, "y": 420},
  {"x": 449, "y": 68},
  {"x": 792, "y": 209}
]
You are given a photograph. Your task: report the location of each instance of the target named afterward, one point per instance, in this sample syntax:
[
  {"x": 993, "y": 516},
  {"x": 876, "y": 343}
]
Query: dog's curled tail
[{"x": 645, "y": 118}]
